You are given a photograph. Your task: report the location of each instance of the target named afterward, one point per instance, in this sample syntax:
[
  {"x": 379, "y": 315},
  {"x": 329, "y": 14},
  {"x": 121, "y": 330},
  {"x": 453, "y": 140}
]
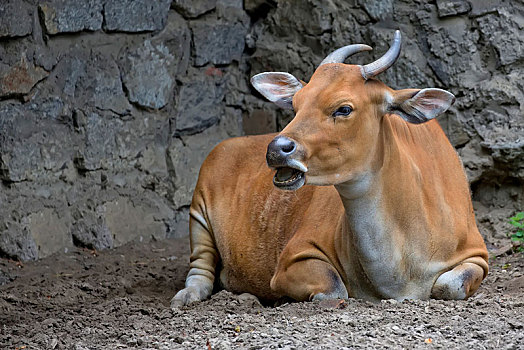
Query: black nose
[
  {"x": 279, "y": 149},
  {"x": 283, "y": 145}
]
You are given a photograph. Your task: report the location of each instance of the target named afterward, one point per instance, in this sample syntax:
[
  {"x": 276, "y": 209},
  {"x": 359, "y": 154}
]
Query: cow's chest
[
  {"x": 387, "y": 279},
  {"x": 382, "y": 264}
]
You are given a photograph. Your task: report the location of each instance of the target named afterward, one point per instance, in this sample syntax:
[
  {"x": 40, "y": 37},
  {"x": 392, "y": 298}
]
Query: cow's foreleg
[
  {"x": 459, "y": 283},
  {"x": 309, "y": 279},
  {"x": 204, "y": 257}
]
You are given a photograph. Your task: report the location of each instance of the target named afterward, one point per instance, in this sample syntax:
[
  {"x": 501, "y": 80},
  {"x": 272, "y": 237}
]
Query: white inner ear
[
  {"x": 426, "y": 105},
  {"x": 431, "y": 102},
  {"x": 277, "y": 87}
]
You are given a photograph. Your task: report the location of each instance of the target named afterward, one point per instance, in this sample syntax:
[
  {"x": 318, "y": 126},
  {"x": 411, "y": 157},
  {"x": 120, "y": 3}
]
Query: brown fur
[{"x": 304, "y": 243}]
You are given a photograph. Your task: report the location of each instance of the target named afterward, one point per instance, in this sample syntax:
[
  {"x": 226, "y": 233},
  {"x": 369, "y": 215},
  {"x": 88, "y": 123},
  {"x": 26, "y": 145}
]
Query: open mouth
[{"x": 287, "y": 178}]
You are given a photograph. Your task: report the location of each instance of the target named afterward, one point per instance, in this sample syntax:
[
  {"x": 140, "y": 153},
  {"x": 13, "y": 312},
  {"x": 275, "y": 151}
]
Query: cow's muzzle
[{"x": 282, "y": 154}]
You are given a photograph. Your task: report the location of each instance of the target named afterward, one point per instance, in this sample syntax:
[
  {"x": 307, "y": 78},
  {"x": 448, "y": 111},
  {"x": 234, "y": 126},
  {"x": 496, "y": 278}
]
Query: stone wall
[{"x": 108, "y": 107}]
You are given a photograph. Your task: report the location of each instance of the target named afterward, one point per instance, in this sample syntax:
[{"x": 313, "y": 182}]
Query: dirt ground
[{"x": 120, "y": 299}]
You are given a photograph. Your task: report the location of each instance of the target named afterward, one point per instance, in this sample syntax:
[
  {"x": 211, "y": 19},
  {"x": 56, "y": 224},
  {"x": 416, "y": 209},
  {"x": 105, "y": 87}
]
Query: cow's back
[{"x": 250, "y": 219}]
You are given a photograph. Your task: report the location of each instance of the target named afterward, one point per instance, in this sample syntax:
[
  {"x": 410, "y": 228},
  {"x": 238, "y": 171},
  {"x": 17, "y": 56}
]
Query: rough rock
[
  {"x": 378, "y": 9},
  {"x": 145, "y": 130},
  {"x": 89, "y": 79},
  {"x": 176, "y": 36},
  {"x": 135, "y": 15},
  {"x": 231, "y": 11},
  {"x": 148, "y": 75},
  {"x": 16, "y": 242},
  {"x": 238, "y": 4},
  {"x": 90, "y": 230},
  {"x": 504, "y": 31},
  {"x": 454, "y": 129},
  {"x": 179, "y": 226},
  {"x": 216, "y": 42},
  {"x": 285, "y": 57},
  {"x": 107, "y": 89},
  {"x": 98, "y": 85},
  {"x": 253, "y": 5},
  {"x": 68, "y": 74},
  {"x": 152, "y": 160},
  {"x": 304, "y": 28},
  {"x": 49, "y": 231},
  {"x": 452, "y": 7},
  {"x": 476, "y": 161},
  {"x": 449, "y": 44},
  {"x": 237, "y": 86},
  {"x": 499, "y": 128},
  {"x": 186, "y": 157},
  {"x": 16, "y": 18},
  {"x": 19, "y": 78},
  {"x": 72, "y": 15},
  {"x": 128, "y": 221},
  {"x": 35, "y": 139},
  {"x": 193, "y": 9},
  {"x": 199, "y": 104},
  {"x": 100, "y": 146}
]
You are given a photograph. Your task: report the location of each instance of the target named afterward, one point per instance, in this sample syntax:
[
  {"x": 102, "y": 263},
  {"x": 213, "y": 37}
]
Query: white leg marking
[
  {"x": 456, "y": 284},
  {"x": 198, "y": 288},
  {"x": 204, "y": 257}
]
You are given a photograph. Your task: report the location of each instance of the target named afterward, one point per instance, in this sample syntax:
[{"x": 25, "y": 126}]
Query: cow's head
[{"x": 338, "y": 117}]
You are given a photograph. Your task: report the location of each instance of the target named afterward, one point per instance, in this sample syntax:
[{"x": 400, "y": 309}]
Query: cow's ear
[
  {"x": 277, "y": 87},
  {"x": 419, "y": 106}
]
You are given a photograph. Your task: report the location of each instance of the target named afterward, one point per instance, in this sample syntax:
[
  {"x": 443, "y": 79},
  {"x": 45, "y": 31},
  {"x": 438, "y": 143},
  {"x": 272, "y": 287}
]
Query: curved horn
[
  {"x": 384, "y": 62},
  {"x": 340, "y": 55}
]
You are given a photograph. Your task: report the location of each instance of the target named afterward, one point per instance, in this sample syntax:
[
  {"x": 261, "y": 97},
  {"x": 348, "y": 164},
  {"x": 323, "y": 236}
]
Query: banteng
[{"x": 386, "y": 211}]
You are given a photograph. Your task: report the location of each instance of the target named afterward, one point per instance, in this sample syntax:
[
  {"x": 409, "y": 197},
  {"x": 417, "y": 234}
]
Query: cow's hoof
[
  {"x": 459, "y": 283},
  {"x": 185, "y": 297},
  {"x": 339, "y": 294}
]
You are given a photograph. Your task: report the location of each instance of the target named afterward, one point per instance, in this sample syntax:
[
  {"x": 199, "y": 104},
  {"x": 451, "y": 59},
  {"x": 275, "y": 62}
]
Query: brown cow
[{"x": 389, "y": 215}]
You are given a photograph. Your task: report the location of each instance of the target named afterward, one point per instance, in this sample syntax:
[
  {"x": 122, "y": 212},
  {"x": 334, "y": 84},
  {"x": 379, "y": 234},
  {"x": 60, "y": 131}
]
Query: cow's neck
[
  {"x": 374, "y": 252},
  {"x": 382, "y": 215}
]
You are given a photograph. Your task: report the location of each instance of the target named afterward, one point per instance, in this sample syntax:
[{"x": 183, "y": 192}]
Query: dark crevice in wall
[{"x": 261, "y": 12}]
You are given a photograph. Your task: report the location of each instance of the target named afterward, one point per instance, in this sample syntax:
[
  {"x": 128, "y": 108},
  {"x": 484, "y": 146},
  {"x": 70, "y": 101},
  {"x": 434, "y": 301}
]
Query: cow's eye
[{"x": 343, "y": 111}]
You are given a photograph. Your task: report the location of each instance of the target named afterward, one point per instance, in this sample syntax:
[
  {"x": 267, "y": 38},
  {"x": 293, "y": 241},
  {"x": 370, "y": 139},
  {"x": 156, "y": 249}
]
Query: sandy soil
[{"x": 120, "y": 299}]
